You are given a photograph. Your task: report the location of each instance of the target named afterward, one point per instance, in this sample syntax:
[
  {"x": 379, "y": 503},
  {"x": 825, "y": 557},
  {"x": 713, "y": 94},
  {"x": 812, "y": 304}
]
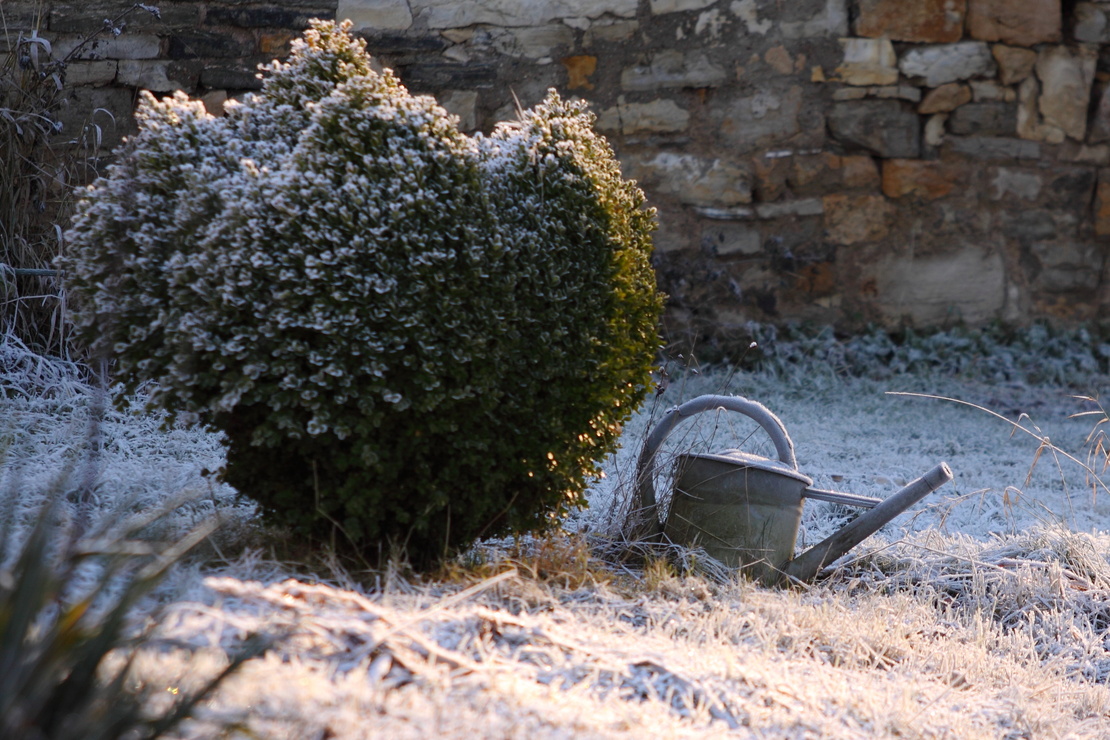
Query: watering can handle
[{"x": 771, "y": 424}]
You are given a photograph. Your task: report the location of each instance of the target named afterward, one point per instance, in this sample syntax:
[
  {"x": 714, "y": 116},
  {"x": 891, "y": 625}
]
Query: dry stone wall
[{"x": 838, "y": 161}]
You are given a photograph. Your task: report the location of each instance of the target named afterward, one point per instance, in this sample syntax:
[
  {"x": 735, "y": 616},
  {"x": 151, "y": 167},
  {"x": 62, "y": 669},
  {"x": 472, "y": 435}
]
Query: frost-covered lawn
[{"x": 982, "y": 612}]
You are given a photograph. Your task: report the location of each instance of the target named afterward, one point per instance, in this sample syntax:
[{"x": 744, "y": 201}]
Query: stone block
[
  {"x": 897, "y": 92},
  {"x": 994, "y": 147},
  {"x": 922, "y": 21},
  {"x": 733, "y": 213},
  {"x": 438, "y": 14},
  {"x": 276, "y": 44},
  {"x": 461, "y": 103},
  {"x": 232, "y": 75},
  {"x": 1029, "y": 123},
  {"x": 448, "y": 76},
  {"x": 609, "y": 31},
  {"x": 935, "y": 130},
  {"x": 945, "y": 98},
  {"x": 852, "y": 219},
  {"x": 1095, "y": 154},
  {"x": 1009, "y": 183},
  {"x": 1066, "y": 266},
  {"x": 984, "y": 119},
  {"x": 989, "y": 91},
  {"x": 1091, "y": 23},
  {"x": 1066, "y": 75},
  {"x": 673, "y": 69},
  {"x": 748, "y": 12},
  {"x": 158, "y": 75},
  {"x": 1014, "y": 64},
  {"x": 692, "y": 180},
  {"x": 124, "y": 46},
  {"x": 760, "y": 120},
  {"x": 939, "y": 65},
  {"x": 725, "y": 239},
  {"x": 661, "y": 116},
  {"x": 579, "y": 68},
  {"x": 969, "y": 285},
  {"x": 662, "y": 7},
  {"x": 1018, "y": 22},
  {"x": 801, "y": 20},
  {"x": 91, "y": 73},
  {"x": 868, "y": 62},
  {"x": 214, "y": 102},
  {"x": 921, "y": 179},
  {"x": 884, "y": 127},
  {"x": 266, "y": 16},
  {"x": 197, "y": 44},
  {"x": 790, "y": 208},
  {"x": 375, "y": 15}
]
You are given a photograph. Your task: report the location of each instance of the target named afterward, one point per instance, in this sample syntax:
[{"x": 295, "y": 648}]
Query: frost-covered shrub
[{"x": 406, "y": 333}]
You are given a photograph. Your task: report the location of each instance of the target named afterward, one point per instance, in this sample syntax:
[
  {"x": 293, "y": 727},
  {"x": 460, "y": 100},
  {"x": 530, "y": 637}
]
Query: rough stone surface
[
  {"x": 1091, "y": 23},
  {"x": 454, "y": 14},
  {"x": 1066, "y": 75},
  {"x": 794, "y": 150},
  {"x": 928, "y": 21},
  {"x": 729, "y": 239},
  {"x": 126, "y": 46},
  {"x": 829, "y": 18},
  {"x": 852, "y": 219},
  {"x": 1014, "y": 64},
  {"x": 461, "y": 103},
  {"x": 938, "y": 65},
  {"x": 884, "y": 127},
  {"x": 376, "y": 15},
  {"x": 986, "y": 91},
  {"x": 660, "y": 7},
  {"x": 925, "y": 180},
  {"x": 868, "y": 62},
  {"x": 994, "y": 147},
  {"x": 751, "y": 122},
  {"x": 1007, "y": 182},
  {"x": 945, "y": 98},
  {"x": 1019, "y": 22},
  {"x": 91, "y": 73},
  {"x": 158, "y": 76},
  {"x": 968, "y": 286},
  {"x": 692, "y": 180},
  {"x": 984, "y": 119},
  {"x": 670, "y": 69},
  {"x": 657, "y": 116}
]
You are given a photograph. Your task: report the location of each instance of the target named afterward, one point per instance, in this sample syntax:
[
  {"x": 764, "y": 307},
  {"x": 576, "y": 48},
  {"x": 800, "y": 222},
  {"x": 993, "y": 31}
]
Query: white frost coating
[
  {"x": 674, "y": 657},
  {"x": 453, "y": 14}
]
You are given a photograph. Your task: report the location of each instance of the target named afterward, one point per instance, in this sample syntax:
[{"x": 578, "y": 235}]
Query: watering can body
[{"x": 745, "y": 510}]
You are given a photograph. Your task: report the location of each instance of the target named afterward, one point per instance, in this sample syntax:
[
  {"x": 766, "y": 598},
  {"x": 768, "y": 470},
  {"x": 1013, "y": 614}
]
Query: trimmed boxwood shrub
[{"x": 407, "y": 334}]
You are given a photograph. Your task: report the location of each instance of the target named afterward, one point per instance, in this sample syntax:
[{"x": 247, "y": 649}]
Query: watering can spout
[
  {"x": 745, "y": 510},
  {"x": 806, "y": 566}
]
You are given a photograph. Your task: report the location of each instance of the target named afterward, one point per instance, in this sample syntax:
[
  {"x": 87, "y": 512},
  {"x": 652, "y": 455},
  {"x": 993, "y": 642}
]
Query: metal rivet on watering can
[{"x": 745, "y": 510}]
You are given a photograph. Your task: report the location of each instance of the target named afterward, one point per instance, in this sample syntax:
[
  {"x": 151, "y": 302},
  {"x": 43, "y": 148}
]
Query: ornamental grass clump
[{"x": 408, "y": 335}]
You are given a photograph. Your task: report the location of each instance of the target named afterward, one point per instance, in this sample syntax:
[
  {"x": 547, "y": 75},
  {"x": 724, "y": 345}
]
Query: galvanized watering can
[{"x": 745, "y": 509}]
